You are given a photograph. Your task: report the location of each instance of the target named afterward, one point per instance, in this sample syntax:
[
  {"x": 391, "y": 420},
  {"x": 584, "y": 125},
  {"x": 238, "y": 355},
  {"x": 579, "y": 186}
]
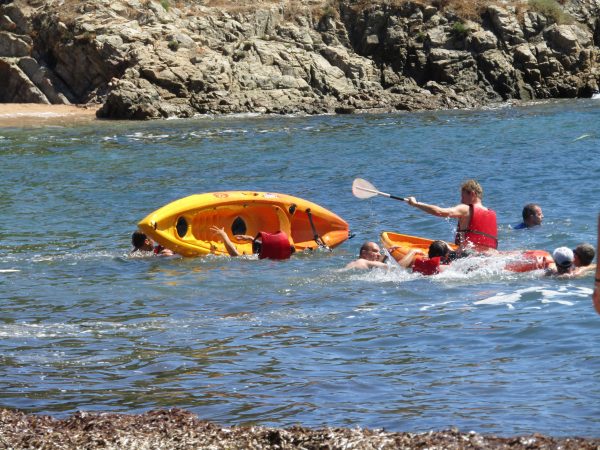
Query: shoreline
[
  {"x": 32, "y": 115},
  {"x": 180, "y": 429},
  {"x": 39, "y": 114}
]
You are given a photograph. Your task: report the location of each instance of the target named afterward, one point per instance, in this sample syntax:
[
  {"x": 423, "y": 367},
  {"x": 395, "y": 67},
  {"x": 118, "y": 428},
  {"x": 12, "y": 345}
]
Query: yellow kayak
[
  {"x": 183, "y": 226},
  {"x": 399, "y": 245}
]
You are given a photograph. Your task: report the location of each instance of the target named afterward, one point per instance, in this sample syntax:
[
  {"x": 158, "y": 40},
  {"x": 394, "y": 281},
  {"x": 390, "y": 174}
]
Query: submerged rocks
[{"x": 147, "y": 60}]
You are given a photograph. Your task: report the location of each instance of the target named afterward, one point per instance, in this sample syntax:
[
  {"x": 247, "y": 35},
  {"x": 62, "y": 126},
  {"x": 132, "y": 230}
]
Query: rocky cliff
[{"x": 144, "y": 59}]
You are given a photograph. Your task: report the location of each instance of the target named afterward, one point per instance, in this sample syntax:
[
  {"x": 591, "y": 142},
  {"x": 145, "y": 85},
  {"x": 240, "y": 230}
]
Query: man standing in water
[{"x": 477, "y": 229}]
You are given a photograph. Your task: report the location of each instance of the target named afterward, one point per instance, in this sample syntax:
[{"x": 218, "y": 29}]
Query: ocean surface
[{"x": 84, "y": 326}]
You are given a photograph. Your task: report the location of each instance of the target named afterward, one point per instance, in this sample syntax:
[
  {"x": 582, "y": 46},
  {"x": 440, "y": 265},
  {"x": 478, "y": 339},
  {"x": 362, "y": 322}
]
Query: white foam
[
  {"x": 547, "y": 295},
  {"x": 500, "y": 298},
  {"x": 140, "y": 136},
  {"x": 583, "y": 136},
  {"x": 561, "y": 302}
]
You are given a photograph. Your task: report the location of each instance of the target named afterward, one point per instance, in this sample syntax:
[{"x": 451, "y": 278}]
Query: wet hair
[
  {"x": 365, "y": 247},
  {"x": 473, "y": 186},
  {"x": 438, "y": 248},
  {"x": 586, "y": 253},
  {"x": 138, "y": 238},
  {"x": 529, "y": 210}
]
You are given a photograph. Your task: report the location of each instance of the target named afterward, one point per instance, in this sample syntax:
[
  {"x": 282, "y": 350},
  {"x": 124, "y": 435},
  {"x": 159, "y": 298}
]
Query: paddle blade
[{"x": 363, "y": 189}]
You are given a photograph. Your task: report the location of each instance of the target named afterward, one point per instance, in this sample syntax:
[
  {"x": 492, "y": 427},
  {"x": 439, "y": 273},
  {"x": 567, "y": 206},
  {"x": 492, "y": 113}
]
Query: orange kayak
[{"x": 399, "y": 245}]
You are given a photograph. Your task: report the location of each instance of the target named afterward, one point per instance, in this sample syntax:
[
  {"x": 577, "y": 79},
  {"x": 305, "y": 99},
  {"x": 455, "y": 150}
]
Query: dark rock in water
[
  {"x": 291, "y": 56},
  {"x": 179, "y": 429},
  {"x": 345, "y": 110}
]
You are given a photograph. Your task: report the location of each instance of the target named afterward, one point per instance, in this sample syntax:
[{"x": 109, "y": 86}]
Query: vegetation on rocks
[{"x": 552, "y": 10}]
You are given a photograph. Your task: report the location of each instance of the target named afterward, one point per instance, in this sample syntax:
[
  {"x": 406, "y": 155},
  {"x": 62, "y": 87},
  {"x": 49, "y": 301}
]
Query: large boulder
[
  {"x": 14, "y": 45},
  {"x": 17, "y": 87}
]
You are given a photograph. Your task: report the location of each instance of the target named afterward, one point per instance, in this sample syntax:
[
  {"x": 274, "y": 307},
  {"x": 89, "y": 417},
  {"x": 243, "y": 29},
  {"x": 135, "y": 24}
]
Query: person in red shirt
[
  {"x": 436, "y": 262},
  {"x": 477, "y": 228},
  {"x": 265, "y": 245}
]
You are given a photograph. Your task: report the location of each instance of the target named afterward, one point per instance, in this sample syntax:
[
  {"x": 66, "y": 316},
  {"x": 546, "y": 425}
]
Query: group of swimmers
[{"x": 477, "y": 232}]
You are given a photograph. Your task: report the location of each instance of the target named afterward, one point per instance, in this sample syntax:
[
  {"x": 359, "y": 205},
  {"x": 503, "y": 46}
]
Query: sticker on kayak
[
  {"x": 270, "y": 195},
  {"x": 221, "y": 195}
]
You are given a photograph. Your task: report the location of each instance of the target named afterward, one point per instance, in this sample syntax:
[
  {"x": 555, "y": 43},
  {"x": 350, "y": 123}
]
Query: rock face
[{"x": 142, "y": 59}]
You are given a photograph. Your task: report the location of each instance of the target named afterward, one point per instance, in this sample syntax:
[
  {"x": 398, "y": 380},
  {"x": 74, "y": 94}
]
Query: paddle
[{"x": 363, "y": 189}]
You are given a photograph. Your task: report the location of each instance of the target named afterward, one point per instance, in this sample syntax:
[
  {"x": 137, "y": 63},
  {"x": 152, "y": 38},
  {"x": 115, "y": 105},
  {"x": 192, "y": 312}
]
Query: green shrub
[
  {"x": 551, "y": 10},
  {"x": 165, "y": 4},
  {"x": 460, "y": 30},
  {"x": 173, "y": 45}
]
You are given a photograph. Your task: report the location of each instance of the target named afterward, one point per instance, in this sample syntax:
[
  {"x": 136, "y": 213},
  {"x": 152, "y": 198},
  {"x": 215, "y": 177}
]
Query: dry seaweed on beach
[{"x": 180, "y": 429}]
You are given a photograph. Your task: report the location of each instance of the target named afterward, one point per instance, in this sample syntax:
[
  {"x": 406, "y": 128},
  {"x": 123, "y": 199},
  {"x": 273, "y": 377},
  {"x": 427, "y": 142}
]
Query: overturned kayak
[
  {"x": 400, "y": 245},
  {"x": 183, "y": 226}
]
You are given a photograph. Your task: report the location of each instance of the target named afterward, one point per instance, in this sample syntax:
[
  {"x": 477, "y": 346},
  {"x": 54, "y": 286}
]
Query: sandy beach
[{"x": 37, "y": 114}]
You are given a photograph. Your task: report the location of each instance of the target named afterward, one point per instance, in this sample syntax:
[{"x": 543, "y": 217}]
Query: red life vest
[
  {"x": 482, "y": 231},
  {"x": 427, "y": 266},
  {"x": 274, "y": 245}
]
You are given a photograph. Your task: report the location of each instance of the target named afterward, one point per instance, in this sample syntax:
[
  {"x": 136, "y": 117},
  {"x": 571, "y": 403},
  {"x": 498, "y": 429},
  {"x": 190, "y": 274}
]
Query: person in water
[
  {"x": 369, "y": 257},
  {"x": 265, "y": 245},
  {"x": 532, "y": 217},
  {"x": 142, "y": 244},
  {"x": 477, "y": 228},
  {"x": 583, "y": 257},
  {"x": 438, "y": 259},
  {"x": 563, "y": 263},
  {"x": 572, "y": 263}
]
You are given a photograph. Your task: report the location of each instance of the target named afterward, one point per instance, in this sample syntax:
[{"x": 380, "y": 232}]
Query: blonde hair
[{"x": 473, "y": 186}]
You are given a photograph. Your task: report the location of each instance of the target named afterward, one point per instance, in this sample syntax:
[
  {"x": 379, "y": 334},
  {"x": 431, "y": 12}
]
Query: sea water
[{"x": 84, "y": 326}]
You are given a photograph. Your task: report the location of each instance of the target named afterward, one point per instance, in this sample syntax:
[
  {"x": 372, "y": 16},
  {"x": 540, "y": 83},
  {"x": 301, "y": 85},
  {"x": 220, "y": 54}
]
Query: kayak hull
[
  {"x": 399, "y": 245},
  {"x": 183, "y": 226}
]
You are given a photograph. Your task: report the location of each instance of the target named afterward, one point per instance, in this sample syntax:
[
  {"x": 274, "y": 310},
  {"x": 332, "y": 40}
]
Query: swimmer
[
  {"x": 142, "y": 244},
  {"x": 532, "y": 217},
  {"x": 563, "y": 263},
  {"x": 369, "y": 257}
]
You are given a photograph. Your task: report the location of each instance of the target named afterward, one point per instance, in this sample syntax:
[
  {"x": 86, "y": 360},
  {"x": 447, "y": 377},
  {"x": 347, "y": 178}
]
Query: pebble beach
[{"x": 178, "y": 429}]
